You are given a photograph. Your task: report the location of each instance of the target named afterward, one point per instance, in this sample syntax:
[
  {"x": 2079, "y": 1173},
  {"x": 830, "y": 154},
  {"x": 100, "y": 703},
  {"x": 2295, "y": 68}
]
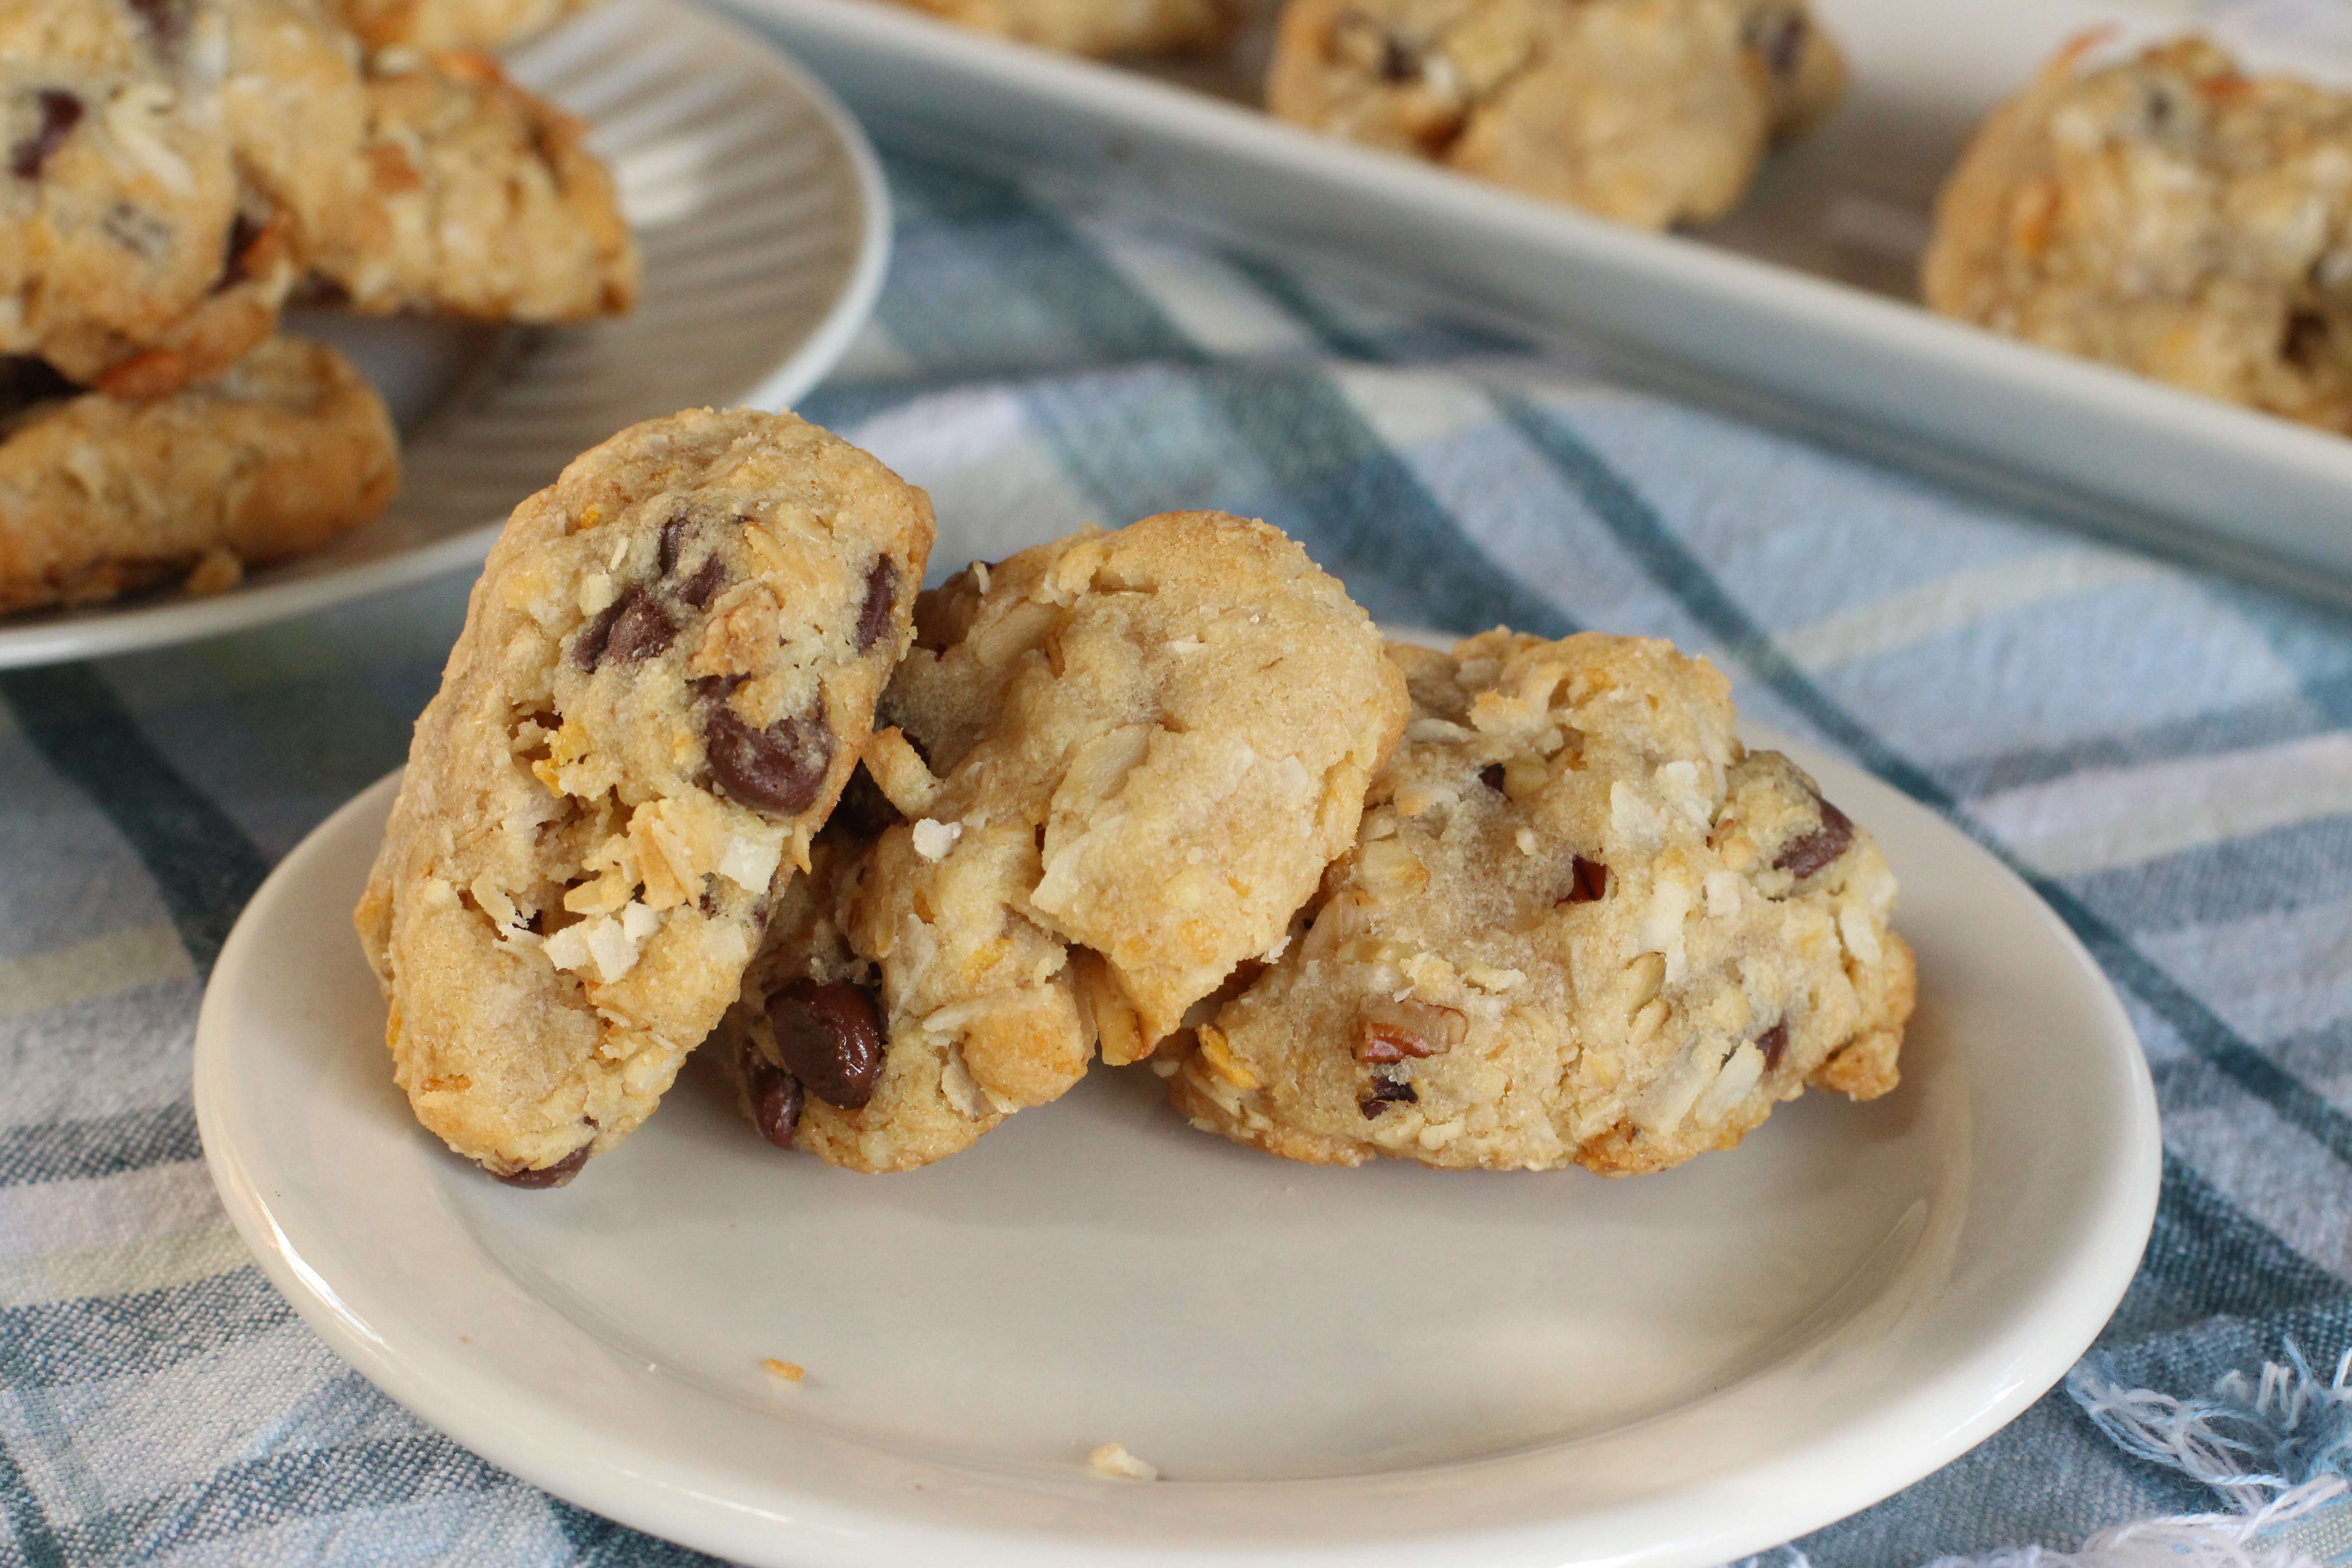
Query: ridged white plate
[
  {"x": 1389, "y": 1367},
  {"x": 765, "y": 226}
]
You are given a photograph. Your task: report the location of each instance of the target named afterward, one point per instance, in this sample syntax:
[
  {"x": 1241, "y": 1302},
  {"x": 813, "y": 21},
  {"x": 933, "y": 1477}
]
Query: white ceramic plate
[
  {"x": 1388, "y": 1365},
  {"x": 765, "y": 226},
  {"x": 1796, "y": 310}
]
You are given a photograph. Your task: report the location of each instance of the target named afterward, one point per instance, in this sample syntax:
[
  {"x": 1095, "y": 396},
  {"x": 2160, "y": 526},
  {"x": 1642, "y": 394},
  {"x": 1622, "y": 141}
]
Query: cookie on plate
[
  {"x": 668, "y": 665},
  {"x": 438, "y": 25},
  {"x": 1120, "y": 761},
  {"x": 1581, "y": 925},
  {"x": 175, "y": 170},
  {"x": 2167, "y": 214},
  {"x": 1648, "y": 112},
  {"x": 121, "y": 228},
  {"x": 99, "y": 496},
  {"x": 1095, "y": 27}
]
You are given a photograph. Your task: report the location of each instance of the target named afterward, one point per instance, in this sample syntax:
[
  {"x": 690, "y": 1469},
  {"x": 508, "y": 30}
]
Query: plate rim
[
  {"x": 627, "y": 1479},
  {"x": 166, "y": 621}
]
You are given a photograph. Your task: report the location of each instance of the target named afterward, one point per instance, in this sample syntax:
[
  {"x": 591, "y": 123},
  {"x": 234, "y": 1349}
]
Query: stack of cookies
[
  {"x": 705, "y": 769},
  {"x": 177, "y": 171}
]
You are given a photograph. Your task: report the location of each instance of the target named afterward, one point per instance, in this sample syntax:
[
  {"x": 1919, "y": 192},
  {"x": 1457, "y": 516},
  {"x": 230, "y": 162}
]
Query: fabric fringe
[{"x": 2277, "y": 1447}]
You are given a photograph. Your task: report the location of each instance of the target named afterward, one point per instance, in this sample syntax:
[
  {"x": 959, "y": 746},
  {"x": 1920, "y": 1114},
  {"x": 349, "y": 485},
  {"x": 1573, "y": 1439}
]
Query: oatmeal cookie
[
  {"x": 668, "y": 667},
  {"x": 174, "y": 170},
  {"x": 2168, "y": 215},
  {"x": 1096, "y": 27},
  {"x": 438, "y": 25},
  {"x": 98, "y": 496},
  {"x": 475, "y": 198},
  {"x": 1122, "y": 760},
  {"x": 1580, "y": 924},
  {"x": 122, "y": 226},
  {"x": 1648, "y": 112}
]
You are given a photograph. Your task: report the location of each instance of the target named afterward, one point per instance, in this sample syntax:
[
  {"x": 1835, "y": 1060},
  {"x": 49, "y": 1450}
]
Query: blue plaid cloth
[{"x": 2166, "y": 755}]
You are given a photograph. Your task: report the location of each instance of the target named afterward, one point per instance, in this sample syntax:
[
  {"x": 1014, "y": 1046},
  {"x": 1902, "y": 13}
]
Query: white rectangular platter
[{"x": 1800, "y": 307}]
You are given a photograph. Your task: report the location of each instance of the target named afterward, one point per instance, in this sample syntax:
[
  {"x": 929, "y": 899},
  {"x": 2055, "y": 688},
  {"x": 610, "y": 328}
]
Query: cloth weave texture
[{"x": 2164, "y": 753}]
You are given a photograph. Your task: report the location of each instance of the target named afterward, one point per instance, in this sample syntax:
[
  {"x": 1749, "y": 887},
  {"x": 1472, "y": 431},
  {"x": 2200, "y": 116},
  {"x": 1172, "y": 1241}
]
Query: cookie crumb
[
  {"x": 933, "y": 839},
  {"x": 1112, "y": 1459},
  {"x": 790, "y": 1371},
  {"x": 217, "y": 572}
]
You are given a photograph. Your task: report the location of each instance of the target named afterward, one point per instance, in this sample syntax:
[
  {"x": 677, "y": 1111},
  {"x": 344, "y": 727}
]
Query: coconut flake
[
  {"x": 750, "y": 859},
  {"x": 933, "y": 839}
]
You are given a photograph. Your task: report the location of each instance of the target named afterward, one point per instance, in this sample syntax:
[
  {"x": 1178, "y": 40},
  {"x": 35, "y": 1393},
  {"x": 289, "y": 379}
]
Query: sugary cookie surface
[
  {"x": 101, "y": 495},
  {"x": 1121, "y": 762},
  {"x": 668, "y": 667},
  {"x": 1648, "y": 112},
  {"x": 2169, "y": 215},
  {"x": 1580, "y": 925}
]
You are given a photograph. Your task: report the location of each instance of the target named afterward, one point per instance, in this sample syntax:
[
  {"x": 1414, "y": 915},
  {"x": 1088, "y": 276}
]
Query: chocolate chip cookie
[
  {"x": 98, "y": 496},
  {"x": 436, "y": 25},
  {"x": 176, "y": 167},
  {"x": 1119, "y": 762},
  {"x": 1648, "y": 112},
  {"x": 668, "y": 667},
  {"x": 1095, "y": 27},
  {"x": 2167, "y": 214},
  {"x": 1580, "y": 924}
]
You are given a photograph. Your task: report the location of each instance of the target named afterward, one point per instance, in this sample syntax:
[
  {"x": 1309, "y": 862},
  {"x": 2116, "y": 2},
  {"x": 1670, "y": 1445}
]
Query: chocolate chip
[
  {"x": 1803, "y": 857},
  {"x": 780, "y": 768},
  {"x": 1779, "y": 37},
  {"x": 167, "y": 20},
  {"x": 881, "y": 598},
  {"x": 2303, "y": 343},
  {"x": 24, "y": 381},
  {"x": 670, "y": 543},
  {"x": 1491, "y": 775},
  {"x": 1588, "y": 882},
  {"x": 632, "y": 628},
  {"x": 775, "y": 1098},
  {"x": 60, "y": 113},
  {"x": 1398, "y": 63},
  {"x": 553, "y": 1175},
  {"x": 830, "y": 1035},
  {"x": 707, "y": 579},
  {"x": 1385, "y": 1092},
  {"x": 707, "y": 901},
  {"x": 1773, "y": 1042}
]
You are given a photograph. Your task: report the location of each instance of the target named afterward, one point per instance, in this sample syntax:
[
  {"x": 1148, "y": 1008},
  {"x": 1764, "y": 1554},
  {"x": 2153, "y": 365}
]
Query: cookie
[
  {"x": 668, "y": 667},
  {"x": 436, "y": 25},
  {"x": 121, "y": 228},
  {"x": 1095, "y": 27},
  {"x": 2168, "y": 215},
  {"x": 100, "y": 496},
  {"x": 174, "y": 171},
  {"x": 1119, "y": 762},
  {"x": 1648, "y": 112},
  {"x": 1581, "y": 925},
  {"x": 478, "y": 199}
]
